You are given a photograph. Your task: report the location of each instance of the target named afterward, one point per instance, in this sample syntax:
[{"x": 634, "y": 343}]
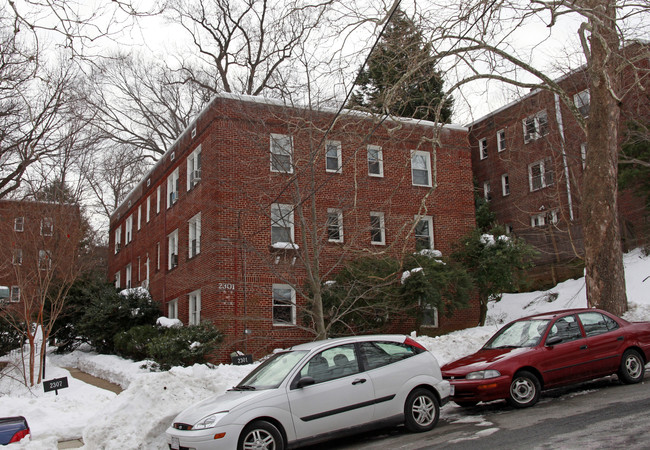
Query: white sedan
[{"x": 319, "y": 390}]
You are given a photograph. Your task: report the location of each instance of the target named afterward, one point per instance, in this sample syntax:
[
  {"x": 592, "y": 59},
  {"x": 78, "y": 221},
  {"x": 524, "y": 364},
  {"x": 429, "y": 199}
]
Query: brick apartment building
[
  {"x": 528, "y": 161},
  {"x": 39, "y": 241},
  {"x": 221, "y": 227}
]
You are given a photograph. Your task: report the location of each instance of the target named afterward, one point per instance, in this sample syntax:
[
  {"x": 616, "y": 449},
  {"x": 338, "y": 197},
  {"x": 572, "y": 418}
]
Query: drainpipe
[{"x": 558, "y": 117}]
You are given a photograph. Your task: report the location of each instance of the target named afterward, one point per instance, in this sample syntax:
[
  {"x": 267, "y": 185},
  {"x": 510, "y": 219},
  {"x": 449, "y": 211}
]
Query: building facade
[{"x": 255, "y": 197}]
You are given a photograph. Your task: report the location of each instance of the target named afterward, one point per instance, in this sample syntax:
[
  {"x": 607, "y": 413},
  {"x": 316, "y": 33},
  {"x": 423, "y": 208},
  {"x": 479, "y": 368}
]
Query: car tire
[
  {"x": 632, "y": 367},
  {"x": 524, "y": 390},
  {"x": 261, "y": 435},
  {"x": 421, "y": 411},
  {"x": 465, "y": 404}
]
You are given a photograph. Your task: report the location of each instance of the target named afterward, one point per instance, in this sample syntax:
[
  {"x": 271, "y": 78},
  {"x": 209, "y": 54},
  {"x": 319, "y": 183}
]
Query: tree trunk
[
  {"x": 605, "y": 278},
  {"x": 483, "y": 307}
]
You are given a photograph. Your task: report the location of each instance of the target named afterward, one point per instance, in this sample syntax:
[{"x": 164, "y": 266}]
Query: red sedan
[{"x": 549, "y": 350}]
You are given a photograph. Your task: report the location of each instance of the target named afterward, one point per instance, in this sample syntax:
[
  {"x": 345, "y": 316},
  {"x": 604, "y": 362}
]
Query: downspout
[{"x": 560, "y": 124}]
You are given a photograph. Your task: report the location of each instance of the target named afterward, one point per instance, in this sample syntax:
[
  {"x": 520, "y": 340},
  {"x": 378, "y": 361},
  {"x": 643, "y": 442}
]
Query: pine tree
[{"x": 401, "y": 78}]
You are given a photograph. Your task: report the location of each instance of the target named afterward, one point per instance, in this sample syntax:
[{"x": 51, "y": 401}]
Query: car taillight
[
  {"x": 413, "y": 343},
  {"x": 19, "y": 435}
]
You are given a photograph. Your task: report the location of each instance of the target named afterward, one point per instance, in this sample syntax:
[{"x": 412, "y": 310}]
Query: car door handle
[
  {"x": 620, "y": 338},
  {"x": 583, "y": 347},
  {"x": 359, "y": 381}
]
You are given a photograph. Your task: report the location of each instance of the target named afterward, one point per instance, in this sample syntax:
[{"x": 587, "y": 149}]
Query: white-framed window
[
  {"x": 424, "y": 233},
  {"x": 47, "y": 226},
  {"x": 194, "y": 308},
  {"x": 509, "y": 228},
  {"x": 172, "y": 250},
  {"x": 147, "y": 264},
  {"x": 194, "y": 168},
  {"x": 118, "y": 239},
  {"x": 429, "y": 315},
  {"x": 334, "y": 225},
  {"x": 487, "y": 191},
  {"x": 118, "y": 281},
  {"x": 505, "y": 185},
  {"x": 194, "y": 235},
  {"x": 582, "y": 101},
  {"x": 284, "y": 305},
  {"x": 17, "y": 256},
  {"x": 535, "y": 126},
  {"x": 158, "y": 197},
  {"x": 544, "y": 218},
  {"x": 148, "y": 209},
  {"x": 377, "y": 228},
  {"x": 375, "y": 161},
  {"x": 333, "y": 158},
  {"x": 157, "y": 255},
  {"x": 501, "y": 140},
  {"x": 128, "y": 276},
  {"x": 172, "y": 309},
  {"x": 583, "y": 154},
  {"x": 14, "y": 296},
  {"x": 281, "y": 153},
  {"x": 282, "y": 223},
  {"x": 482, "y": 148},
  {"x": 540, "y": 174},
  {"x": 139, "y": 216},
  {"x": 421, "y": 168},
  {"x": 44, "y": 259},
  {"x": 19, "y": 224},
  {"x": 128, "y": 230},
  {"x": 172, "y": 188}
]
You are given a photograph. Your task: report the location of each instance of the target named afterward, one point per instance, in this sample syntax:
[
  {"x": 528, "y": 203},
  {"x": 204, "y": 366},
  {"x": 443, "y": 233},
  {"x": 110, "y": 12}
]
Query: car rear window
[{"x": 380, "y": 353}]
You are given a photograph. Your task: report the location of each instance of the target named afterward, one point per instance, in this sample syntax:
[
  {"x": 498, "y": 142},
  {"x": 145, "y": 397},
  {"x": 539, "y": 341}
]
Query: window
[
  {"x": 509, "y": 228},
  {"x": 172, "y": 250},
  {"x": 421, "y": 168},
  {"x": 172, "y": 188},
  {"x": 139, "y": 217},
  {"x": 423, "y": 233},
  {"x": 44, "y": 259},
  {"x": 333, "y": 363},
  {"x": 15, "y": 294},
  {"x": 596, "y": 323},
  {"x": 583, "y": 154},
  {"x": 428, "y": 315},
  {"x": 375, "y": 161},
  {"x": 17, "y": 256},
  {"x": 194, "y": 168},
  {"x": 19, "y": 224},
  {"x": 148, "y": 209},
  {"x": 334, "y": 225},
  {"x": 535, "y": 126},
  {"x": 47, "y": 226},
  {"x": 505, "y": 185},
  {"x": 172, "y": 309},
  {"x": 128, "y": 276},
  {"x": 333, "y": 156},
  {"x": 128, "y": 230},
  {"x": 158, "y": 195},
  {"x": 501, "y": 140},
  {"x": 540, "y": 174},
  {"x": 377, "y": 230},
  {"x": 195, "y": 308},
  {"x": 378, "y": 354},
  {"x": 487, "y": 191},
  {"x": 547, "y": 217},
  {"x": 482, "y": 148},
  {"x": 118, "y": 239},
  {"x": 281, "y": 223},
  {"x": 566, "y": 328},
  {"x": 118, "y": 282},
  {"x": 147, "y": 265},
  {"x": 284, "y": 305},
  {"x": 281, "y": 153},
  {"x": 582, "y": 102},
  {"x": 194, "y": 236},
  {"x": 157, "y": 255}
]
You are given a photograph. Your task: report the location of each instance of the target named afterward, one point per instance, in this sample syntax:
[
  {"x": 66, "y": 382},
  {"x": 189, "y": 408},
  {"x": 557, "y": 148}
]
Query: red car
[{"x": 550, "y": 350}]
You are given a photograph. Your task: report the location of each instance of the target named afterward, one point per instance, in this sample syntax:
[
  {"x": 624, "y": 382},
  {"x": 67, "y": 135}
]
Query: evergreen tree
[{"x": 401, "y": 78}]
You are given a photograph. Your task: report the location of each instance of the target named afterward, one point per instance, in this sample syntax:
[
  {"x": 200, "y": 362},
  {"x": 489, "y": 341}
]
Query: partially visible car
[
  {"x": 13, "y": 429},
  {"x": 319, "y": 390},
  {"x": 549, "y": 350}
]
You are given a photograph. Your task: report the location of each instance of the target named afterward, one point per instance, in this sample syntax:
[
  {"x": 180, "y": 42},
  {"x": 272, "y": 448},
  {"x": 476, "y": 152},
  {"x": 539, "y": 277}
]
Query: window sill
[{"x": 284, "y": 325}]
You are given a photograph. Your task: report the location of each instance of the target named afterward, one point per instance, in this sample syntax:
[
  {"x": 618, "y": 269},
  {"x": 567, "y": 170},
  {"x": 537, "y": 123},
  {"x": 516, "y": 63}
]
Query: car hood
[
  {"x": 228, "y": 401},
  {"x": 482, "y": 360}
]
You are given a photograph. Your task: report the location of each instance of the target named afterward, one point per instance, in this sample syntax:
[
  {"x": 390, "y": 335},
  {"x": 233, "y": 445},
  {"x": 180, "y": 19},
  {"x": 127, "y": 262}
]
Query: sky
[{"x": 139, "y": 416}]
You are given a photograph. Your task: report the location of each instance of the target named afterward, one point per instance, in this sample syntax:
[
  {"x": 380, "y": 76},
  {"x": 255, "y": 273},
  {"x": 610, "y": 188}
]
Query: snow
[{"x": 138, "y": 417}]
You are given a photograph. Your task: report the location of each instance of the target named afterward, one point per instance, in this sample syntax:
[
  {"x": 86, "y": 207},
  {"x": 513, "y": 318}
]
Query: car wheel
[
  {"x": 465, "y": 404},
  {"x": 524, "y": 390},
  {"x": 421, "y": 411},
  {"x": 632, "y": 367},
  {"x": 261, "y": 435}
]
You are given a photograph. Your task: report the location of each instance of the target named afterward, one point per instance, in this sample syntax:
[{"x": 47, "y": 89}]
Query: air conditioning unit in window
[
  {"x": 174, "y": 260},
  {"x": 196, "y": 176},
  {"x": 173, "y": 196},
  {"x": 118, "y": 247}
]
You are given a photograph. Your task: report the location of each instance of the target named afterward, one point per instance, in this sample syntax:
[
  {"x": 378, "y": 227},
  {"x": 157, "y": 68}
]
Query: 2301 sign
[{"x": 226, "y": 286}]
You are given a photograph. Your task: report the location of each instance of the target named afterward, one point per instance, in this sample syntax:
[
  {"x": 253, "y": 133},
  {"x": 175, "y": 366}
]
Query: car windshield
[
  {"x": 523, "y": 333},
  {"x": 271, "y": 372}
]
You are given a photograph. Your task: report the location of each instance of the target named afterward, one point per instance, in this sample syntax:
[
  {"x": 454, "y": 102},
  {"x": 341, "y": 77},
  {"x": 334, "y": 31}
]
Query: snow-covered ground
[{"x": 138, "y": 417}]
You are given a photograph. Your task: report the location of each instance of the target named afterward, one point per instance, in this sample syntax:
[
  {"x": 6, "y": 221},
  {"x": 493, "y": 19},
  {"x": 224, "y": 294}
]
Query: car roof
[
  {"x": 348, "y": 340},
  {"x": 563, "y": 312}
]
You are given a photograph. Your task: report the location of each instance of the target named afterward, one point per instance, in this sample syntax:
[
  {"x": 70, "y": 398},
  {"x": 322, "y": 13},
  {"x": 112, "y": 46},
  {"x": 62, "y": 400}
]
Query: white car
[{"x": 320, "y": 390}]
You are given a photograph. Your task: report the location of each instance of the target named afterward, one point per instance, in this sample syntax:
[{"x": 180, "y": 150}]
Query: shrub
[
  {"x": 133, "y": 343},
  {"x": 10, "y": 337}
]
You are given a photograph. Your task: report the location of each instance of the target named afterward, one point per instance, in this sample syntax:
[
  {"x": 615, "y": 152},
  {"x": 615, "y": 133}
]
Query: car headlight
[
  {"x": 483, "y": 374},
  {"x": 209, "y": 421}
]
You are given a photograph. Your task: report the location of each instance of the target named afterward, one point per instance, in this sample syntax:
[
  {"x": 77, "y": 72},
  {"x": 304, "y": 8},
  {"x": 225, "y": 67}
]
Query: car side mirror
[
  {"x": 305, "y": 381},
  {"x": 553, "y": 341}
]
